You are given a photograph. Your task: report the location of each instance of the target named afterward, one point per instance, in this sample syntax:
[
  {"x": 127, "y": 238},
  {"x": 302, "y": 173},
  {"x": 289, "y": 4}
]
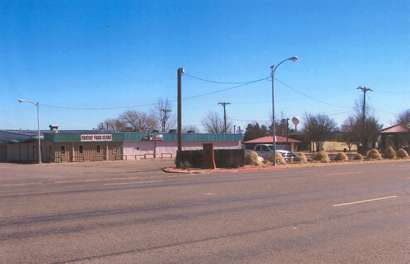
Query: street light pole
[
  {"x": 37, "y": 105},
  {"x": 273, "y": 71},
  {"x": 180, "y": 72}
]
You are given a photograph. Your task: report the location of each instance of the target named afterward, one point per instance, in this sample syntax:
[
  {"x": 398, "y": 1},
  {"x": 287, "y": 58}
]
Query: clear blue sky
[{"x": 115, "y": 53}]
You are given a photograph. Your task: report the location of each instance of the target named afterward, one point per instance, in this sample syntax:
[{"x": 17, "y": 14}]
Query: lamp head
[
  {"x": 20, "y": 100},
  {"x": 293, "y": 58}
]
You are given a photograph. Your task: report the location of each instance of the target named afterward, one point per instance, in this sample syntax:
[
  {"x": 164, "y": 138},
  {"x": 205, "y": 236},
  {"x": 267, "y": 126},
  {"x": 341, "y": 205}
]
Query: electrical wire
[
  {"x": 226, "y": 89},
  {"x": 219, "y": 82},
  {"x": 95, "y": 108},
  {"x": 240, "y": 84},
  {"x": 308, "y": 96}
]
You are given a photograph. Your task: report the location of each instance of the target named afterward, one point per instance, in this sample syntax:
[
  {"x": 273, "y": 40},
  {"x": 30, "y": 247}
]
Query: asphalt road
[{"x": 111, "y": 213}]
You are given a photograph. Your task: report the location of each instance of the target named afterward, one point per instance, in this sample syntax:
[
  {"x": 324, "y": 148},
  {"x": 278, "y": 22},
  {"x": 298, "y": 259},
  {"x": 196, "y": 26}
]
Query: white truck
[{"x": 266, "y": 151}]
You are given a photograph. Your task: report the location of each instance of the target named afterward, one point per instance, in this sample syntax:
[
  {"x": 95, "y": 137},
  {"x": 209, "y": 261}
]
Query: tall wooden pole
[{"x": 180, "y": 71}]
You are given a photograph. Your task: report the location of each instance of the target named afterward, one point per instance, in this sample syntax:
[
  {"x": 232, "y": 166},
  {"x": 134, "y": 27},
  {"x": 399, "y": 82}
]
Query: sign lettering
[{"x": 96, "y": 137}]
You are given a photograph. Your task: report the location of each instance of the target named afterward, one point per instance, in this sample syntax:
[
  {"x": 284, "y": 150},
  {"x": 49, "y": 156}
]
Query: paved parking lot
[{"x": 127, "y": 212}]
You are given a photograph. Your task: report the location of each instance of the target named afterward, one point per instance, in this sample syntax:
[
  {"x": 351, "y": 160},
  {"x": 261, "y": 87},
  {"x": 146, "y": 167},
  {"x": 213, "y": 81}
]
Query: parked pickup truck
[{"x": 266, "y": 151}]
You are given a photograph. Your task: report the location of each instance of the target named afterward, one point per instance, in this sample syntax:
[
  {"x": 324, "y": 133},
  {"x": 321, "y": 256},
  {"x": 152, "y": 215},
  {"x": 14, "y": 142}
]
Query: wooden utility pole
[
  {"x": 180, "y": 71},
  {"x": 364, "y": 89},
  {"x": 224, "y": 104}
]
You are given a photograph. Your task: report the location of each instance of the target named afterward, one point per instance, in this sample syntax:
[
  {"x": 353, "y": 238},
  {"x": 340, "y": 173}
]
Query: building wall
[
  {"x": 137, "y": 150},
  {"x": 61, "y": 152},
  {"x": 337, "y": 146},
  {"x": 86, "y": 151}
]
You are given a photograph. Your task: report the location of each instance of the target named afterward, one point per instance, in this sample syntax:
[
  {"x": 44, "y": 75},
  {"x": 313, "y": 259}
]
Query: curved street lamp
[
  {"x": 273, "y": 71},
  {"x": 37, "y": 105}
]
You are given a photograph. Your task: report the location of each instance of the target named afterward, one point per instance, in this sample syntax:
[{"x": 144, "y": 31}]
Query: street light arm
[
  {"x": 275, "y": 67},
  {"x": 28, "y": 101}
]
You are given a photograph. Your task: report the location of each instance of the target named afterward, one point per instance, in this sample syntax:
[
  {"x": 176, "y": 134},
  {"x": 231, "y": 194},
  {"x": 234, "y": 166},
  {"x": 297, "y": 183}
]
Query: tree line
[{"x": 316, "y": 127}]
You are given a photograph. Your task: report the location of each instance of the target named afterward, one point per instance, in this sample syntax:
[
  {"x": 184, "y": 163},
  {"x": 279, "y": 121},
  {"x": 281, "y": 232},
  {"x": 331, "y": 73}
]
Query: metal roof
[
  {"x": 138, "y": 136},
  {"x": 396, "y": 129},
  {"x": 15, "y": 136},
  {"x": 269, "y": 139}
]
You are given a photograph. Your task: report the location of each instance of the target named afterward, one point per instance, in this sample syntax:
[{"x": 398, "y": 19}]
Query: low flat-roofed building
[{"x": 75, "y": 146}]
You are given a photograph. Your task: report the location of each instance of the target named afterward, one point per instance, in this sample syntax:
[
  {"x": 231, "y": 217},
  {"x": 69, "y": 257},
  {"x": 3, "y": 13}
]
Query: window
[
  {"x": 62, "y": 149},
  {"x": 80, "y": 149},
  {"x": 98, "y": 148}
]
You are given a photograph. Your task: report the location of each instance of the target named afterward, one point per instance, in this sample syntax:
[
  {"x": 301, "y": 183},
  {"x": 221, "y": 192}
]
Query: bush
[
  {"x": 390, "y": 153},
  {"x": 300, "y": 157},
  {"x": 322, "y": 156},
  {"x": 279, "y": 159},
  {"x": 402, "y": 154},
  {"x": 341, "y": 157},
  {"x": 358, "y": 156},
  {"x": 374, "y": 154},
  {"x": 252, "y": 158}
]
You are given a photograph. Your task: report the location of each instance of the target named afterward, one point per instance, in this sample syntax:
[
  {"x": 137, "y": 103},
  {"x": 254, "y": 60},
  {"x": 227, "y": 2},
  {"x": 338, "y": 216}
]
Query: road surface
[{"x": 108, "y": 213}]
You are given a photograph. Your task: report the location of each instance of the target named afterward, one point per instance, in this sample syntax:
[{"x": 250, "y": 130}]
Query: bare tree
[
  {"x": 214, "y": 124},
  {"x": 318, "y": 128},
  {"x": 366, "y": 131},
  {"x": 111, "y": 124},
  {"x": 350, "y": 135},
  {"x": 163, "y": 113},
  {"x": 404, "y": 118},
  {"x": 138, "y": 121}
]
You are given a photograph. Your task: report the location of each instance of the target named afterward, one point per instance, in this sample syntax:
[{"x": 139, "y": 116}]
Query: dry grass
[
  {"x": 301, "y": 157},
  {"x": 374, "y": 154},
  {"x": 251, "y": 158},
  {"x": 279, "y": 159},
  {"x": 341, "y": 157},
  {"x": 322, "y": 156},
  {"x": 358, "y": 156},
  {"x": 390, "y": 153},
  {"x": 402, "y": 154}
]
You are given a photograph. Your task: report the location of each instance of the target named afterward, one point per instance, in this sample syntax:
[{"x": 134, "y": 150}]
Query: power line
[
  {"x": 308, "y": 96},
  {"x": 96, "y": 108},
  {"x": 226, "y": 89},
  {"x": 217, "y": 82},
  {"x": 152, "y": 104}
]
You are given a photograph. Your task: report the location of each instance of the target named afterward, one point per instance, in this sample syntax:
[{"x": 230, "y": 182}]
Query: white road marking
[
  {"x": 21, "y": 184},
  {"x": 95, "y": 180},
  {"x": 345, "y": 173},
  {"x": 366, "y": 201},
  {"x": 129, "y": 183},
  {"x": 209, "y": 194}
]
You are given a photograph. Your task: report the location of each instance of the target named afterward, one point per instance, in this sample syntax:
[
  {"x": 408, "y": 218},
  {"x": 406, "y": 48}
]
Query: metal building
[{"x": 77, "y": 146}]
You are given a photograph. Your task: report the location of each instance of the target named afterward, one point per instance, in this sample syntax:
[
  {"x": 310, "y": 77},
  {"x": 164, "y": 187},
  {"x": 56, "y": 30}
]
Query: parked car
[{"x": 266, "y": 151}]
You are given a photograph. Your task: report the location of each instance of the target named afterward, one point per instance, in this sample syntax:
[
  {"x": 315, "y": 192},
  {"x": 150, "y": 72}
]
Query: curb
[{"x": 279, "y": 167}]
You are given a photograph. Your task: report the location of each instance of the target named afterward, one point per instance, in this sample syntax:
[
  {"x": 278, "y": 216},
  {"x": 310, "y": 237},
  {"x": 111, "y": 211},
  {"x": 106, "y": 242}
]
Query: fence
[
  {"x": 224, "y": 158},
  {"x": 147, "y": 156}
]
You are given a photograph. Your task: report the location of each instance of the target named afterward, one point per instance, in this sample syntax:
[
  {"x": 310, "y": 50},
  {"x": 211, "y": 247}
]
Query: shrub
[
  {"x": 300, "y": 157},
  {"x": 279, "y": 159},
  {"x": 358, "y": 156},
  {"x": 374, "y": 154},
  {"x": 252, "y": 158},
  {"x": 390, "y": 153},
  {"x": 402, "y": 154},
  {"x": 322, "y": 156},
  {"x": 341, "y": 157}
]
